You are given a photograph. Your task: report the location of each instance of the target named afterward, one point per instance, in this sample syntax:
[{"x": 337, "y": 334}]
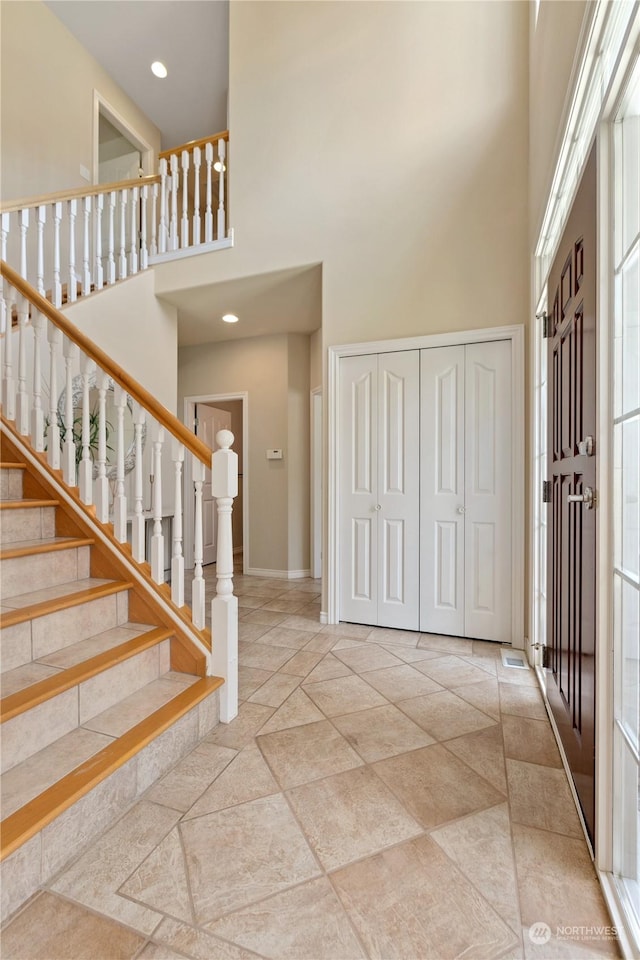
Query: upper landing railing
[{"x": 71, "y": 243}]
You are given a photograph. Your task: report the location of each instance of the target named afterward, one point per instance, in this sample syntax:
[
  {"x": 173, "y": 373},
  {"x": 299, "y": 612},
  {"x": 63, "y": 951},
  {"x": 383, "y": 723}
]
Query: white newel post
[
  {"x": 54, "y": 337},
  {"x": 157, "y": 540},
  {"x": 138, "y": 544},
  {"x": 22, "y": 411},
  {"x": 177, "y": 558},
  {"x": 102, "y": 481},
  {"x": 85, "y": 470},
  {"x": 37, "y": 413},
  {"x": 224, "y": 606},
  {"x": 120, "y": 500},
  {"x": 197, "y": 586},
  {"x": 70, "y": 352}
]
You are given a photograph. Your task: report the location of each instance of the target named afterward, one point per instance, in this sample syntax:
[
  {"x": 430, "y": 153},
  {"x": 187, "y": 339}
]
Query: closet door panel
[
  {"x": 442, "y": 585},
  {"x": 488, "y": 491}
]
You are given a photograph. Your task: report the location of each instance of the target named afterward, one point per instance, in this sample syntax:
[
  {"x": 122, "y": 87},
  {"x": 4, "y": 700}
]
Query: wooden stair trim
[
  {"x": 10, "y": 618},
  {"x": 22, "y": 825},
  {"x": 37, "y": 693},
  {"x": 67, "y": 543},
  {"x": 27, "y": 504},
  {"x": 11, "y": 465}
]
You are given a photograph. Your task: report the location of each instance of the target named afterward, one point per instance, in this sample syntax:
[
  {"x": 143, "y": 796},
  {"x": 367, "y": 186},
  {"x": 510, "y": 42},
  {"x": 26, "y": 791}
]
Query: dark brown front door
[{"x": 572, "y": 457}]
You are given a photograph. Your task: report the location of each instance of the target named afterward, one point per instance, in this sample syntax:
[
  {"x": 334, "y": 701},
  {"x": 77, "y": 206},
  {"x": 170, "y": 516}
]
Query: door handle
[
  {"x": 461, "y": 510},
  {"x": 378, "y": 506},
  {"x": 585, "y": 447},
  {"x": 588, "y": 498}
]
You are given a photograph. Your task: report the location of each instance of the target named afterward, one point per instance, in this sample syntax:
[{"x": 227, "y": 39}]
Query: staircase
[{"x": 92, "y": 712}]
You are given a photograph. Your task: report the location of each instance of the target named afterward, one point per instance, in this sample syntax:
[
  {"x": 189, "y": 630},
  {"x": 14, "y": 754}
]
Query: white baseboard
[
  {"x": 324, "y": 617},
  {"x": 278, "y": 574}
]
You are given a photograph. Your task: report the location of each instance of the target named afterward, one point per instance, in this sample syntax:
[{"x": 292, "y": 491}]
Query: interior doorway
[{"x": 119, "y": 151}]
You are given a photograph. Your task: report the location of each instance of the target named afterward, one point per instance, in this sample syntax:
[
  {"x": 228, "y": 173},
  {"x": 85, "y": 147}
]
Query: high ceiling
[{"x": 191, "y": 37}]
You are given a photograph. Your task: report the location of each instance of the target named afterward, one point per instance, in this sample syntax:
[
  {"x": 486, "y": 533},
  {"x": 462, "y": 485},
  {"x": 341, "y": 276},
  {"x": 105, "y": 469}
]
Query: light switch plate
[{"x": 274, "y": 454}]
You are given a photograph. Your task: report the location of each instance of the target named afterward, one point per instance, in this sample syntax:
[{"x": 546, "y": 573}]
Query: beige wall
[
  {"x": 554, "y": 41},
  {"x": 46, "y": 105},
  {"x": 315, "y": 360},
  {"x": 267, "y": 369}
]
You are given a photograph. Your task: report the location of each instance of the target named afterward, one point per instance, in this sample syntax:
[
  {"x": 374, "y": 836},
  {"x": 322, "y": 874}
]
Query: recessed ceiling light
[
  {"x": 230, "y": 318},
  {"x": 158, "y": 69}
]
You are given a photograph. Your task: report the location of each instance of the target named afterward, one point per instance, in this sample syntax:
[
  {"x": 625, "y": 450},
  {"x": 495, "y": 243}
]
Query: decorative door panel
[
  {"x": 442, "y": 490},
  {"x": 487, "y": 495},
  {"x": 573, "y": 446}
]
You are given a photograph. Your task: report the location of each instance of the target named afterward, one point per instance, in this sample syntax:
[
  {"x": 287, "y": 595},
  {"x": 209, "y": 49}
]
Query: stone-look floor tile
[
  {"x": 27, "y": 734},
  {"x": 452, "y": 671},
  {"x": 247, "y": 777},
  {"x": 154, "y": 951},
  {"x": 310, "y": 611},
  {"x": 21, "y": 875},
  {"x": 83, "y": 649},
  {"x": 483, "y": 696},
  {"x": 345, "y": 643},
  {"x": 282, "y": 636},
  {"x": 530, "y": 740},
  {"x": 343, "y": 695},
  {"x": 265, "y": 615},
  {"x": 451, "y": 645},
  {"x": 488, "y": 665},
  {"x": 445, "y": 716},
  {"x": 263, "y": 656},
  {"x": 197, "y": 943},
  {"x": 516, "y": 675},
  {"x": 183, "y": 785},
  {"x": 522, "y": 701},
  {"x": 435, "y": 786},
  {"x": 119, "y": 718},
  {"x": 480, "y": 846},
  {"x": 160, "y": 882},
  {"x": 297, "y": 710},
  {"x": 301, "y": 663},
  {"x": 284, "y": 604},
  {"x": 563, "y": 948},
  {"x": 296, "y": 622},
  {"x": 52, "y": 593},
  {"x": 301, "y": 754},
  {"x": 486, "y": 648},
  {"x": 249, "y": 679},
  {"x": 402, "y": 683},
  {"x": 24, "y": 676},
  {"x": 356, "y": 630},
  {"x": 483, "y": 751},
  {"x": 366, "y": 657},
  {"x": 350, "y": 816},
  {"x": 428, "y": 910},
  {"x": 247, "y": 602},
  {"x": 412, "y": 654},
  {"x": 237, "y": 734},
  {"x": 95, "y": 877},
  {"x": 50, "y": 928},
  {"x": 16, "y": 644},
  {"x": 329, "y": 668},
  {"x": 381, "y": 732},
  {"x": 540, "y": 797},
  {"x": 557, "y": 881},
  {"x": 243, "y": 854},
  {"x": 306, "y": 923},
  {"x": 388, "y": 637},
  {"x": 321, "y": 643},
  {"x": 250, "y": 632},
  {"x": 275, "y": 691}
]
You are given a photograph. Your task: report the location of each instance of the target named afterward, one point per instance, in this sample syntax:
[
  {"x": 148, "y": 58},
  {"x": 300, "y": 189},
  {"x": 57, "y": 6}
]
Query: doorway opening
[{"x": 119, "y": 151}]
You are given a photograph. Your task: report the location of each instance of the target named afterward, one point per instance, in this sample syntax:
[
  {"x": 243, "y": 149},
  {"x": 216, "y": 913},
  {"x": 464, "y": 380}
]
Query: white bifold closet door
[
  {"x": 380, "y": 489},
  {"x": 465, "y": 495}
]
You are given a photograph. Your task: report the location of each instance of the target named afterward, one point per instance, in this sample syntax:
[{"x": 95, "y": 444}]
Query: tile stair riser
[
  {"x": 27, "y": 523},
  {"x": 64, "y": 627},
  {"x": 37, "y": 728},
  {"x": 45, "y": 569},
  {"x": 10, "y": 484},
  {"x": 45, "y": 854},
  {"x": 16, "y": 646}
]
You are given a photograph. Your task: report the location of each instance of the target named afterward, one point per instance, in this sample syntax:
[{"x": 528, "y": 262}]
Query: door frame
[
  {"x": 189, "y": 413},
  {"x": 102, "y": 106},
  {"x": 315, "y": 552},
  {"x": 515, "y": 334}
]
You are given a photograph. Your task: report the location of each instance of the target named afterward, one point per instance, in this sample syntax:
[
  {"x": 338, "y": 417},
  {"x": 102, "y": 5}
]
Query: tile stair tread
[
  {"x": 122, "y": 716},
  {"x": 64, "y": 679},
  {"x": 38, "y": 603},
  {"x": 26, "y": 548},
  {"x": 25, "y": 822}
]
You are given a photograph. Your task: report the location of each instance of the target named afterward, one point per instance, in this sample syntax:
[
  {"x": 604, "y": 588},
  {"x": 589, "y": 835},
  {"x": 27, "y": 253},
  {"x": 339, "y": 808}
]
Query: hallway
[{"x": 381, "y": 794}]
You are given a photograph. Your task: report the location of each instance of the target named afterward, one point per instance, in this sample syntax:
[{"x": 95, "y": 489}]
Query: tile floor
[{"x": 381, "y": 794}]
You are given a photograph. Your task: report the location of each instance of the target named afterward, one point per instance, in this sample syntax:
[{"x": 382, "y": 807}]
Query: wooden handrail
[
  {"x": 135, "y": 390},
  {"x": 13, "y": 206},
  {"x": 202, "y": 142}
]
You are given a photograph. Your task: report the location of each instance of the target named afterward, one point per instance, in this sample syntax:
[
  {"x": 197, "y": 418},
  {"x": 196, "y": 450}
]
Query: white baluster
[
  {"x": 133, "y": 252},
  {"x": 175, "y": 183},
  {"x": 8, "y": 297},
  {"x": 120, "y": 500},
  {"x": 86, "y": 246},
  {"x": 98, "y": 222},
  {"x": 111, "y": 259},
  {"x": 102, "y": 483},
  {"x": 144, "y": 253},
  {"x": 24, "y": 228},
  {"x": 197, "y": 590},
  {"x": 56, "y": 293},
  {"x": 208, "y": 215},
  {"x": 177, "y": 558},
  {"x": 70, "y": 352},
  {"x": 124, "y": 196},
  {"x": 138, "y": 540},
  {"x": 42, "y": 219},
  {"x": 222, "y": 152},
  {"x": 153, "y": 249},
  {"x": 184, "y": 239},
  {"x": 157, "y": 540},
  {"x": 53, "y": 430},
  {"x": 72, "y": 294},
  {"x": 224, "y": 606},
  {"x": 197, "y": 162},
  {"x": 5, "y": 224},
  {"x": 85, "y": 469},
  {"x": 164, "y": 207},
  {"x": 37, "y": 413},
  {"x": 23, "y": 412}
]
